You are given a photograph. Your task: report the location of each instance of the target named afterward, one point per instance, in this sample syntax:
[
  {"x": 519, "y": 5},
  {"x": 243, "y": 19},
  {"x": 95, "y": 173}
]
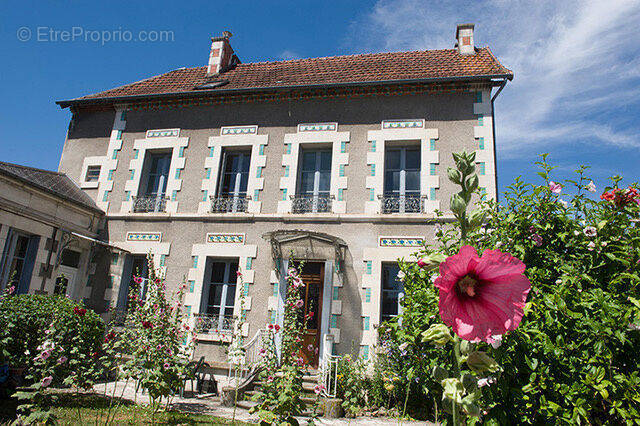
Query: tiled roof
[
  {"x": 57, "y": 184},
  {"x": 423, "y": 65}
]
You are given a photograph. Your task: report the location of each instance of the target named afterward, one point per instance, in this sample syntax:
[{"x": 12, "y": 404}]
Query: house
[
  {"x": 339, "y": 161},
  {"x": 48, "y": 233}
]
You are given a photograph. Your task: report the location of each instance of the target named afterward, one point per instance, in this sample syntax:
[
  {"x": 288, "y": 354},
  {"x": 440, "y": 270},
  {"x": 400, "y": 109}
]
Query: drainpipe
[
  {"x": 493, "y": 129},
  {"x": 49, "y": 255}
]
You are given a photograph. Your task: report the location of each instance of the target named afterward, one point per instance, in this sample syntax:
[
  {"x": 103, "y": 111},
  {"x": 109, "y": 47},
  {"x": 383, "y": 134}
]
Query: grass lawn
[{"x": 86, "y": 409}]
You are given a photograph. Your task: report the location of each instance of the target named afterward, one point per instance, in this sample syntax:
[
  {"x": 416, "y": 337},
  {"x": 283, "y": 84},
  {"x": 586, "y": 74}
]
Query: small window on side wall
[{"x": 93, "y": 174}]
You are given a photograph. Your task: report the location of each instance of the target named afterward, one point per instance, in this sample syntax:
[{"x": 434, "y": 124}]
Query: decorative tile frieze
[
  {"x": 217, "y": 238},
  {"x": 401, "y": 241},
  {"x": 403, "y": 124},
  {"x": 318, "y": 127},
  {"x": 310, "y": 134},
  {"x": 239, "y": 130},
  {"x": 163, "y": 133},
  {"x": 144, "y": 236}
]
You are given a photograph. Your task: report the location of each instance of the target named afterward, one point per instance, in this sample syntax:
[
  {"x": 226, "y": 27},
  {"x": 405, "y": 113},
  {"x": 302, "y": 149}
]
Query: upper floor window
[
  {"x": 93, "y": 174},
  {"x": 218, "y": 296},
  {"x": 234, "y": 176},
  {"x": 314, "y": 182},
  {"x": 392, "y": 291},
  {"x": 155, "y": 174},
  {"x": 402, "y": 180}
]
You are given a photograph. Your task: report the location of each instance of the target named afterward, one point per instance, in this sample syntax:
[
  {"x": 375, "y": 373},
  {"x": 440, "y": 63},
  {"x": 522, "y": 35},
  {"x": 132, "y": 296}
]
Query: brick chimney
[
  {"x": 464, "y": 37},
  {"x": 221, "y": 54}
]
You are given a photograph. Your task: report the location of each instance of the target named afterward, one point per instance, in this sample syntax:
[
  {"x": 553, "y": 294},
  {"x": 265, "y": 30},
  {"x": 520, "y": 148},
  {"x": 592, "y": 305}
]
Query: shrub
[
  {"x": 574, "y": 357},
  {"x": 27, "y": 321}
]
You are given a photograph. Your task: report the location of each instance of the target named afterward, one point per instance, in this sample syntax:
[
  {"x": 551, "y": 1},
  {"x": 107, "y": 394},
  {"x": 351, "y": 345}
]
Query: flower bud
[
  {"x": 458, "y": 206},
  {"x": 480, "y": 362},
  {"x": 454, "y": 175},
  {"x": 437, "y": 334},
  {"x": 452, "y": 389},
  {"x": 472, "y": 181}
]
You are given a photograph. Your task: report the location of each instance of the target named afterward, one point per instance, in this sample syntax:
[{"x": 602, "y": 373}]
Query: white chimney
[
  {"x": 464, "y": 36},
  {"x": 220, "y": 54}
]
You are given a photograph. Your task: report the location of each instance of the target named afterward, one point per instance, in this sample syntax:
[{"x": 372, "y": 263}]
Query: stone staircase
[{"x": 309, "y": 397}]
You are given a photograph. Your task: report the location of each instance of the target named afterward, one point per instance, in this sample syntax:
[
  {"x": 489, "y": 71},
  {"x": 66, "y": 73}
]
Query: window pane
[
  {"x": 392, "y": 159},
  {"x": 412, "y": 181},
  {"x": 22, "y": 243},
  {"x": 413, "y": 159},
  {"x": 389, "y": 304},
  {"x": 244, "y": 179},
  {"x": 246, "y": 161},
  {"x": 391, "y": 181},
  {"x": 93, "y": 173},
  {"x": 215, "y": 294},
  {"x": 308, "y": 160},
  {"x": 233, "y": 270},
  {"x": 390, "y": 279},
  {"x": 228, "y": 183},
  {"x": 325, "y": 181},
  {"x": 325, "y": 160},
  {"x": 306, "y": 182},
  {"x": 231, "y": 296},
  {"x": 70, "y": 258},
  {"x": 217, "y": 272}
]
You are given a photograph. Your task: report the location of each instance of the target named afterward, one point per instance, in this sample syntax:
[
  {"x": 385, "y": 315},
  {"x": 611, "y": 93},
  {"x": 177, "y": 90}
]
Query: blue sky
[{"x": 576, "y": 93}]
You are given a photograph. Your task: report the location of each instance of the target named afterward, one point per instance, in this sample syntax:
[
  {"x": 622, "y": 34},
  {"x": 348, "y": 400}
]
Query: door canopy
[{"x": 299, "y": 238}]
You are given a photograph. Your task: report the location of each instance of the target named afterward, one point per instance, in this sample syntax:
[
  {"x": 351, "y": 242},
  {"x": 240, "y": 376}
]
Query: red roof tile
[{"x": 425, "y": 65}]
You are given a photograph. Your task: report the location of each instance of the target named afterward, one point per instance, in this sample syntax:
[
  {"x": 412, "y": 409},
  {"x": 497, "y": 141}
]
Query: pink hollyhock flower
[
  {"x": 421, "y": 263},
  {"x": 481, "y": 297},
  {"x": 318, "y": 389},
  {"x": 270, "y": 326},
  {"x": 62, "y": 360},
  {"x": 137, "y": 280},
  {"x": 537, "y": 240},
  {"x": 166, "y": 365},
  {"x": 46, "y": 381},
  {"x": 276, "y": 328},
  {"x": 11, "y": 289},
  {"x": 299, "y": 303},
  {"x": 556, "y": 188},
  {"x": 238, "y": 274},
  {"x": 310, "y": 347}
]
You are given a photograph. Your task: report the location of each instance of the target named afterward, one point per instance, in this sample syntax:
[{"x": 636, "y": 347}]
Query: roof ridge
[
  {"x": 21, "y": 166},
  {"x": 349, "y": 56}
]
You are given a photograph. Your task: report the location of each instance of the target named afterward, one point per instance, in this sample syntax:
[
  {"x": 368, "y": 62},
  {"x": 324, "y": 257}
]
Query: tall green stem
[{"x": 456, "y": 366}]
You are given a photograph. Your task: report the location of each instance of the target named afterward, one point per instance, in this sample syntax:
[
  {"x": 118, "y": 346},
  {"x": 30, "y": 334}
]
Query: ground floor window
[
  {"x": 18, "y": 260},
  {"x": 219, "y": 294},
  {"x": 392, "y": 291}
]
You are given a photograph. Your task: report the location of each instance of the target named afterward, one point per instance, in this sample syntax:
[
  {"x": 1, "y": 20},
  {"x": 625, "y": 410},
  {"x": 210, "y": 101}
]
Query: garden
[{"x": 524, "y": 311}]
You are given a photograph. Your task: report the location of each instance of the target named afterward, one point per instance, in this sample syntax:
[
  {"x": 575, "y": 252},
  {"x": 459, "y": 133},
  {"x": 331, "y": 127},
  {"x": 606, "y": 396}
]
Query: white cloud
[
  {"x": 287, "y": 55},
  {"x": 576, "y": 63}
]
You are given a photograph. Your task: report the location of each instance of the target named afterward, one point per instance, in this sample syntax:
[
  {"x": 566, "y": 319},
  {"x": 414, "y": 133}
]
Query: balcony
[
  {"x": 305, "y": 203},
  {"x": 229, "y": 204},
  {"x": 214, "y": 324},
  {"x": 150, "y": 203},
  {"x": 401, "y": 203}
]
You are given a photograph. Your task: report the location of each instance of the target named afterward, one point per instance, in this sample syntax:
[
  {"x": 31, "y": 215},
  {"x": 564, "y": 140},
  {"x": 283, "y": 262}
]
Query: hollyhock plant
[
  {"x": 556, "y": 188},
  {"x": 482, "y": 296}
]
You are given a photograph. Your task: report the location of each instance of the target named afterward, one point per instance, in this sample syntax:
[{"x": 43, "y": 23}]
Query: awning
[{"x": 278, "y": 238}]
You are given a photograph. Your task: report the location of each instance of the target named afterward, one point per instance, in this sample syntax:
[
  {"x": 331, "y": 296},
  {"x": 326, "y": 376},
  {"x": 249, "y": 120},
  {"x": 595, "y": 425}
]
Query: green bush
[
  {"x": 26, "y": 324},
  {"x": 574, "y": 358}
]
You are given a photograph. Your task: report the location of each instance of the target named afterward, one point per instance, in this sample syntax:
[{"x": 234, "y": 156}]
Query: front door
[{"x": 313, "y": 277}]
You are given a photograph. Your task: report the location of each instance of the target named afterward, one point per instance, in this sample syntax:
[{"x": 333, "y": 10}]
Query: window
[
  {"x": 314, "y": 182},
  {"x": 219, "y": 297},
  {"x": 140, "y": 268},
  {"x": 151, "y": 195},
  {"x": 392, "y": 291},
  {"x": 402, "y": 180},
  {"x": 18, "y": 260},
  {"x": 232, "y": 188},
  {"x": 93, "y": 174},
  {"x": 70, "y": 258}
]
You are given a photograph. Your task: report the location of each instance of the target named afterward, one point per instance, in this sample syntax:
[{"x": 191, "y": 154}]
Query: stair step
[{"x": 247, "y": 405}]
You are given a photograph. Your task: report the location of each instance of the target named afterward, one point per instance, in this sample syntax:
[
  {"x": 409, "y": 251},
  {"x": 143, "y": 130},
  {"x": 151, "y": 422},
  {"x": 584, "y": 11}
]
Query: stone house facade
[{"x": 338, "y": 161}]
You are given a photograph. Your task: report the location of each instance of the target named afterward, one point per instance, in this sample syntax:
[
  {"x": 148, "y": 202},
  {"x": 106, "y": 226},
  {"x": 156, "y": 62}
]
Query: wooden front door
[{"x": 313, "y": 277}]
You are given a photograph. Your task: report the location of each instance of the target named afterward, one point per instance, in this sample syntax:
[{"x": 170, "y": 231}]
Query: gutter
[
  {"x": 493, "y": 129},
  {"x": 198, "y": 93}
]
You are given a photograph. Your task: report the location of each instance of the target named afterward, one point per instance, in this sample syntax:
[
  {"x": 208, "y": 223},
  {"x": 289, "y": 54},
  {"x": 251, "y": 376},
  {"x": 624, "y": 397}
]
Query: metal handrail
[
  {"x": 401, "y": 203},
  {"x": 149, "y": 203},
  {"x": 329, "y": 365},
  {"x": 309, "y": 203},
  {"x": 230, "y": 204}
]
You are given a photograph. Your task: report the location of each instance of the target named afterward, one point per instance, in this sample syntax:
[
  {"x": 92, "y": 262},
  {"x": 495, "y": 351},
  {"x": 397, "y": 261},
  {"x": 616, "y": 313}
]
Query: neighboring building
[
  {"x": 48, "y": 232},
  {"x": 340, "y": 161}
]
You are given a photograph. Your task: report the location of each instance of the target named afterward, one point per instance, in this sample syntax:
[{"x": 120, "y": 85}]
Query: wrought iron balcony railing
[
  {"x": 118, "y": 318},
  {"x": 401, "y": 203},
  {"x": 304, "y": 203},
  {"x": 229, "y": 204},
  {"x": 150, "y": 203},
  {"x": 212, "y": 324}
]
